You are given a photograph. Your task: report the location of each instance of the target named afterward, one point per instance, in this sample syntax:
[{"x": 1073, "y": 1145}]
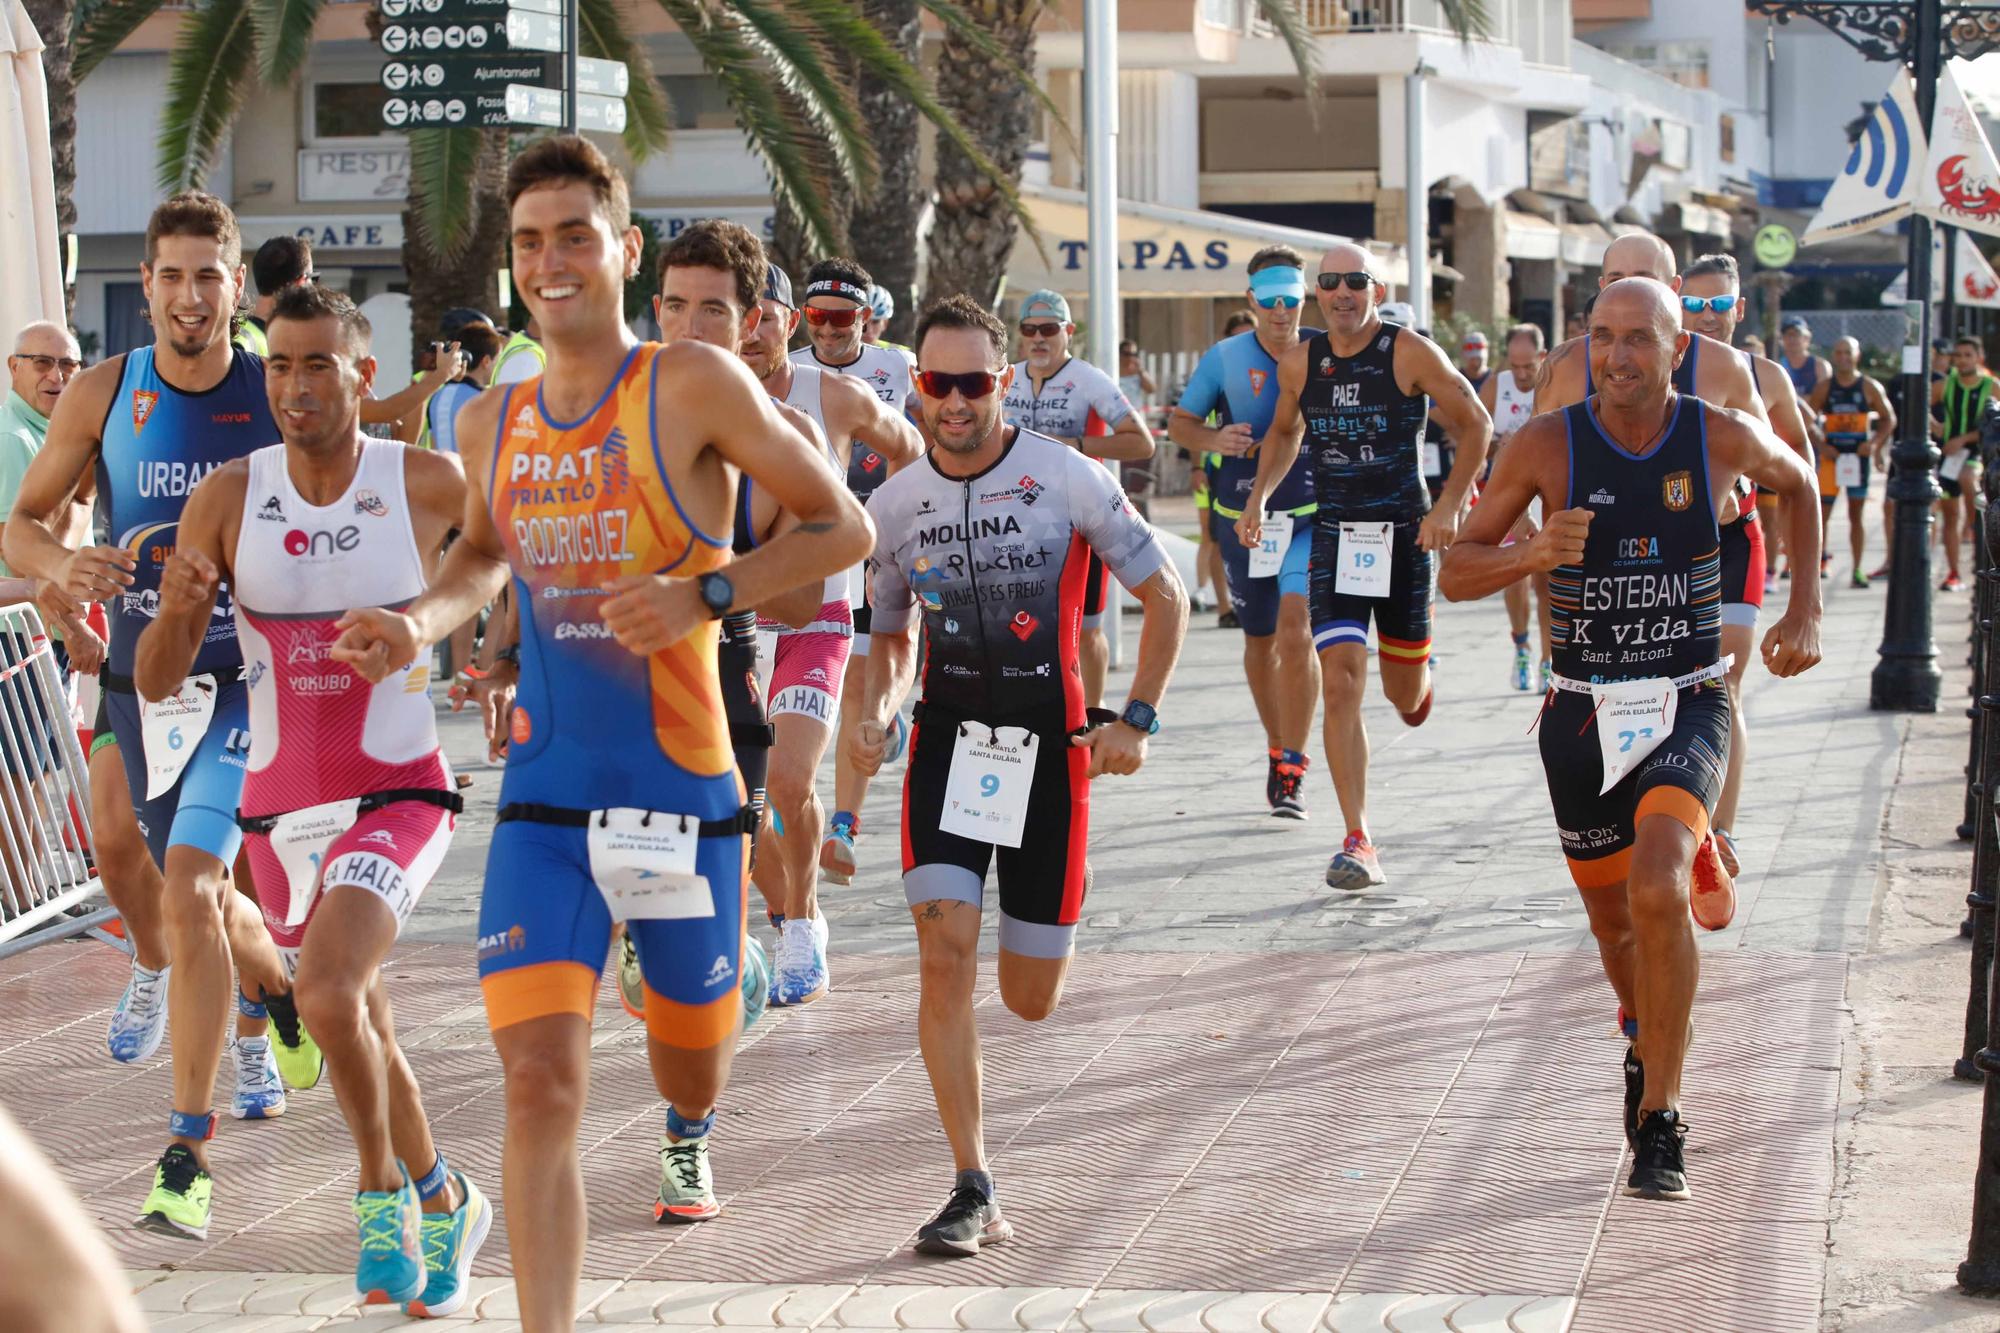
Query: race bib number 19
[{"x": 1363, "y": 570}]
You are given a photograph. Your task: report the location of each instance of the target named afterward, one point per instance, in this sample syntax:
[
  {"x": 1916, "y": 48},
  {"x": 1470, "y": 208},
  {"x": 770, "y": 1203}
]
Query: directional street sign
[
  {"x": 527, "y": 31},
  {"x": 450, "y": 75},
  {"x": 534, "y": 106},
  {"x": 602, "y": 78},
  {"x": 481, "y": 109},
  {"x": 600, "y": 113},
  {"x": 426, "y": 37}
]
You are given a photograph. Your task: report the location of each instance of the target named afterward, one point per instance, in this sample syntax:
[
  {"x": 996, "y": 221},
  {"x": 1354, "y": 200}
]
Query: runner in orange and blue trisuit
[{"x": 605, "y": 489}]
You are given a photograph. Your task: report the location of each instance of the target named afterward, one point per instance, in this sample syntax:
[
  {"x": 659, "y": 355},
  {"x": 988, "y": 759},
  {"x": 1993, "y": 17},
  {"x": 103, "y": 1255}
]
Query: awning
[
  {"x": 1701, "y": 220},
  {"x": 1530, "y": 237},
  {"x": 1583, "y": 244},
  {"x": 1162, "y": 251}
]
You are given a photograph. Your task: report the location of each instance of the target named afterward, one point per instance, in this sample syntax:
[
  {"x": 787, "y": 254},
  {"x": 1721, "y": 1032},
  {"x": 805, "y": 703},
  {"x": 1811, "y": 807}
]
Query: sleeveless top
[
  {"x": 318, "y": 731},
  {"x": 1363, "y": 434},
  {"x": 579, "y": 504},
  {"x": 1847, "y": 415},
  {"x": 1238, "y": 378},
  {"x": 1803, "y": 377},
  {"x": 1512, "y": 405},
  {"x": 805, "y": 396},
  {"x": 158, "y": 441},
  {"x": 1646, "y": 600},
  {"x": 889, "y": 372}
]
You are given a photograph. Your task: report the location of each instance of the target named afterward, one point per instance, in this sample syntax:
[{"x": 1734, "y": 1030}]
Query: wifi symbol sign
[{"x": 1886, "y": 142}]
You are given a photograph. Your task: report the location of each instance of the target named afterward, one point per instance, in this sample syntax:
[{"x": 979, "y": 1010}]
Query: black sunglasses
[
  {"x": 1355, "y": 282},
  {"x": 974, "y": 384}
]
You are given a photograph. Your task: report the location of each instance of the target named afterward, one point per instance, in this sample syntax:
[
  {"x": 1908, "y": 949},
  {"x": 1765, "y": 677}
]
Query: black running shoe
[
  {"x": 1635, "y": 1088},
  {"x": 967, "y": 1221},
  {"x": 1657, "y": 1172}
]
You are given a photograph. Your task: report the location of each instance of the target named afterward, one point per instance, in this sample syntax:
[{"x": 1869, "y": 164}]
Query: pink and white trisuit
[
  {"x": 807, "y": 664},
  {"x": 346, "y": 783}
]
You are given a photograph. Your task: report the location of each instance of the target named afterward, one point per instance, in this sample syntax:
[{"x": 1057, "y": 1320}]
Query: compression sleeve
[{"x": 1111, "y": 528}]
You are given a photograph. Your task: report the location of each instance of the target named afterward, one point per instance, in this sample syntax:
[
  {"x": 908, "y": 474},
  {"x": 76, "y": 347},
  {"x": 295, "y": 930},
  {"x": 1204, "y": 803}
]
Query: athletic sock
[
  {"x": 680, "y": 1128},
  {"x": 974, "y": 1178}
]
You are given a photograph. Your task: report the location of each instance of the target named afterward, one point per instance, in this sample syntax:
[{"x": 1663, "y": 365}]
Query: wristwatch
[
  {"x": 718, "y": 594},
  {"x": 1140, "y": 717}
]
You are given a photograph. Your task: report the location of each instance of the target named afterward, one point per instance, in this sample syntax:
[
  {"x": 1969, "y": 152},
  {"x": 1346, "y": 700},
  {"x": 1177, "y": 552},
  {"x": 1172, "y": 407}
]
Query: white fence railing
[{"x": 45, "y": 859}]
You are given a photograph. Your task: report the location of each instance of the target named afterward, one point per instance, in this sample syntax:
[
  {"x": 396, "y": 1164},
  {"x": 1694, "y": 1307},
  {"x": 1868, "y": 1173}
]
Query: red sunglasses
[
  {"x": 974, "y": 384},
  {"x": 839, "y": 319}
]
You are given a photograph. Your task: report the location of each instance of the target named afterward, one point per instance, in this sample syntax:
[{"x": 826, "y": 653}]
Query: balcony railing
[{"x": 1540, "y": 29}]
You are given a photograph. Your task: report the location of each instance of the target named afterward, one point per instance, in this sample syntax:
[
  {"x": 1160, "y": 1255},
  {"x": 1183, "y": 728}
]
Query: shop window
[
  {"x": 345, "y": 111},
  {"x": 698, "y": 102},
  {"x": 125, "y": 323}
]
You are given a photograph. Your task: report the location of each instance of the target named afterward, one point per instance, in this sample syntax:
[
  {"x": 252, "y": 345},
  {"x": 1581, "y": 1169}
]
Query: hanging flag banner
[
  {"x": 1878, "y": 186},
  {"x": 1961, "y": 183},
  {"x": 1977, "y": 284}
]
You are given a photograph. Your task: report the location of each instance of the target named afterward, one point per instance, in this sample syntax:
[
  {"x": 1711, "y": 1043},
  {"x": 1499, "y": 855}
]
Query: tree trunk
[
  {"x": 883, "y": 227},
  {"x": 472, "y": 278},
  {"x": 53, "y": 19},
  {"x": 973, "y": 232}
]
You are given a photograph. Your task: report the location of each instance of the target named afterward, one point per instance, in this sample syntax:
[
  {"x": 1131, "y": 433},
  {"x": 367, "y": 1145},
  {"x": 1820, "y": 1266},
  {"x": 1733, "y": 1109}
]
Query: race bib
[
  {"x": 170, "y": 730},
  {"x": 643, "y": 863},
  {"x": 1847, "y": 469},
  {"x": 1363, "y": 569},
  {"x": 1433, "y": 459},
  {"x": 1953, "y": 465},
  {"x": 1268, "y": 556},
  {"x": 300, "y": 839},
  {"x": 986, "y": 796},
  {"x": 1633, "y": 718}
]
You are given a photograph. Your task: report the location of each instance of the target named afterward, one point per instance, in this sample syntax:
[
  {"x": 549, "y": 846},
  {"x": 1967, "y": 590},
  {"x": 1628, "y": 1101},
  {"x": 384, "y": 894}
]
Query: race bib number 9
[{"x": 992, "y": 771}]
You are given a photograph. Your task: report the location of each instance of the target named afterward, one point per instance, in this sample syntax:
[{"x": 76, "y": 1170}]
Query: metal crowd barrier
[{"x": 47, "y": 877}]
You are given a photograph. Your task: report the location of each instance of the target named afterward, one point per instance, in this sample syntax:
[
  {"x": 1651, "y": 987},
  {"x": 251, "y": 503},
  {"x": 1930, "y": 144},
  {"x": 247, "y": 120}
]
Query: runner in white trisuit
[
  {"x": 347, "y": 801},
  {"x": 836, "y": 311},
  {"x": 1509, "y": 398}
]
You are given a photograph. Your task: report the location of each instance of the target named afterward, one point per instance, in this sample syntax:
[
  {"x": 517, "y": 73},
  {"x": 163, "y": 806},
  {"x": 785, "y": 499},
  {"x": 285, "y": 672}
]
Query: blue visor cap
[{"x": 1278, "y": 286}]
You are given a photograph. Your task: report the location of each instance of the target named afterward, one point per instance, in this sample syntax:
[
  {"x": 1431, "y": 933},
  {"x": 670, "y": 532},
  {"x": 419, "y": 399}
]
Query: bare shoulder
[
  {"x": 87, "y": 397},
  {"x": 846, "y": 396},
  {"x": 477, "y": 419},
  {"x": 221, "y": 489},
  {"x": 1731, "y": 427},
  {"x": 1771, "y": 377},
  {"x": 687, "y": 369},
  {"x": 803, "y": 422},
  {"x": 1544, "y": 434},
  {"x": 431, "y": 476}
]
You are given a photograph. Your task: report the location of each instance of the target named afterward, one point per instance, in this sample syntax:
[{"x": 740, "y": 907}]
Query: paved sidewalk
[{"x": 1261, "y": 1105}]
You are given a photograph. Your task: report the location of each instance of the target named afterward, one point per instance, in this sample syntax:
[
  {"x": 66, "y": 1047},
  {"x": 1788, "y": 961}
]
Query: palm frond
[
  {"x": 284, "y": 31},
  {"x": 443, "y": 189},
  {"x": 208, "y": 75},
  {"x": 856, "y": 35},
  {"x": 1290, "y": 25},
  {"x": 1467, "y": 18},
  {"x": 649, "y": 120},
  {"x": 960, "y": 24},
  {"x": 784, "y": 144},
  {"x": 803, "y": 62},
  {"x": 101, "y": 28}
]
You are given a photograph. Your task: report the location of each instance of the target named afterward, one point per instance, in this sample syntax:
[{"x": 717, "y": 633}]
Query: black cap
[
  {"x": 1940, "y": 344},
  {"x": 454, "y": 320},
  {"x": 778, "y": 287}
]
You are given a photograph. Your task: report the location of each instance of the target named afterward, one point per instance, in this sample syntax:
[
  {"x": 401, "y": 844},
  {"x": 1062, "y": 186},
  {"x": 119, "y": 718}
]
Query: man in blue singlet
[
  {"x": 152, "y": 423},
  {"x": 1239, "y": 376}
]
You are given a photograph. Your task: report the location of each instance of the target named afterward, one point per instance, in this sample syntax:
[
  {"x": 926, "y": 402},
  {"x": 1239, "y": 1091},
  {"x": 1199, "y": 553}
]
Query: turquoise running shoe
[
  {"x": 391, "y": 1268},
  {"x": 756, "y": 982},
  {"x": 450, "y": 1242}
]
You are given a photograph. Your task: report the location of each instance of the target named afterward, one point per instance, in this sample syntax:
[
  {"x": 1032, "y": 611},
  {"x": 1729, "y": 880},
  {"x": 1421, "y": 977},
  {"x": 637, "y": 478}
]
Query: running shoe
[
  {"x": 450, "y": 1242},
  {"x": 631, "y": 980},
  {"x": 260, "y": 1095},
  {"x": 756, "y": 982},
  {"x": 139, "y": 1023},
  {"x": 800, "y": 976},
  {"x": 178, "y": 1205},
  {"x": 1725, "y": 847},
  {"x": 390, "y": 1270},
  {"x": 1228, "y": 620},
  {"x": 1881, "y": 573},
  {"x": 1521, "y": 666},
  {"x": 1825, "y": 568},
  {"x": 300, "y": 1063},
  {"x": 1713, "y": 900},
  {"x": 968, "y": 1220},
  {"x": 836, "y": 853},
  {"x": 687, "y": 1191},
  {"x": 1860, "y": 580},
  {"x": 1770, "y": 583},
  {"x": 1952, "y": 583},
  {"x": 1417, "y": 716},
  {"x": 898, "y": 738},
  {"x": 1286, "y": 800},
  {"x": 1658, "y": 1171},
  {"x": 1635, "y": 1089},
  {"x": 1354, "y": 866},
  {"x": 1548, "y": 675}
]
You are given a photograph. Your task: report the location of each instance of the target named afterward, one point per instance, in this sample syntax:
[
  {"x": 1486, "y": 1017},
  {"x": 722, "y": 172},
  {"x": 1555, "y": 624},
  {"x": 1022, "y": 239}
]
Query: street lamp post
[{"x": 1918, "y": 34}]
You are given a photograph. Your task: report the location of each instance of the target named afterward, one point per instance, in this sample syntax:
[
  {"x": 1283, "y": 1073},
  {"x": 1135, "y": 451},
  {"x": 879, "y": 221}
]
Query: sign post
[{"x": 486, "y": 63}]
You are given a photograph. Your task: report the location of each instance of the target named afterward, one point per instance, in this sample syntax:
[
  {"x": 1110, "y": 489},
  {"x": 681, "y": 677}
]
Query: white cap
[{"x": 1398, "y": 312}]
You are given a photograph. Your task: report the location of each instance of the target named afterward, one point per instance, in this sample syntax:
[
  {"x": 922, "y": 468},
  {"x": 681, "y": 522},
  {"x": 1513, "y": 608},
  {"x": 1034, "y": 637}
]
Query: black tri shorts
[
  {"x": 1681, "y": 779},
  {"x": 1042, "y": 882},
  {"x": 1402, "y": 619}
]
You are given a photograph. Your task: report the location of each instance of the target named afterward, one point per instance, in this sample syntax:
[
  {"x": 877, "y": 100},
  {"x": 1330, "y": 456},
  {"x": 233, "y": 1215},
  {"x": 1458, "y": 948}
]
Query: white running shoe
[
  {"x": 260, "y": 1093},
  {"x": 800, "y": 975},
  {"x": 139, "y": 1023}
]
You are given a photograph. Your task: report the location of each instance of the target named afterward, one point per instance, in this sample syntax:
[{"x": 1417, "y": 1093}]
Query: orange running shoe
[{"x": 1714, "y": 898}]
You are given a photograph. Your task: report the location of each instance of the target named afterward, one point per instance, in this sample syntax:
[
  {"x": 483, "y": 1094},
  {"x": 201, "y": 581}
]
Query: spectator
[
  {"x": 1574, "y": 326},
  {"x": 1132, "y": 377},
  {"x": 480, "y": 344},
  {"x": 1752, "y": 344},
  {"x": 281, "y": 262},
  {"x": 1472, "y": 361}
]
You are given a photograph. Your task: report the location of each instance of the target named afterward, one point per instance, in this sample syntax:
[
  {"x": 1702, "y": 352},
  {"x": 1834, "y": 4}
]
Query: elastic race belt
[
  {"x": 118, "y": 684},
  {"x": 743, "y": 821},
  {"x": 1300, "y": 512},
  {"x": 1714, "y": 671},
  {"x": 374, "y": 800},
  {"x": 1093, "y": 718}
]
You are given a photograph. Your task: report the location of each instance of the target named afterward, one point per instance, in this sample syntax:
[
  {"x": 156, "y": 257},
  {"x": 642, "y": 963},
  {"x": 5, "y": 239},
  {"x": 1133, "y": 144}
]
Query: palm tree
[
  {"x": 775, "y": 59},
  {"x": 974, "y": 230}
]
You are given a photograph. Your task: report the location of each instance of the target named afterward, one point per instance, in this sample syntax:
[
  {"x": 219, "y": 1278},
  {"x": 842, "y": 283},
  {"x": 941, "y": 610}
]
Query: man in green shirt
[{"x": 1963, "y": 393}]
